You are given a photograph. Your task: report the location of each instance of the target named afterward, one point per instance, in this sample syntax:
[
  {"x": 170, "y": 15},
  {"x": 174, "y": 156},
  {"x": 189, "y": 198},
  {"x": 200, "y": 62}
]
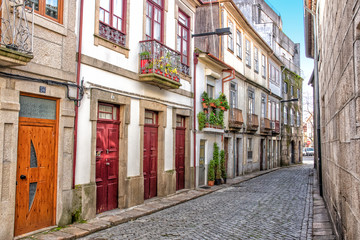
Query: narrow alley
[{"x": 276, "y": 205}]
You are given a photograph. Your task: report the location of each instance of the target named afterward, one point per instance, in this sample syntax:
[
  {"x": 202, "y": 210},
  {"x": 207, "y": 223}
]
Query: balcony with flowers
[
  {"x": 159, "y": 65},
  {"x": 212, "y": 116}
]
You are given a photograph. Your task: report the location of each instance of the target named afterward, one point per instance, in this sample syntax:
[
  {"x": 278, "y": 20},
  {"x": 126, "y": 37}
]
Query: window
[
  {"x": 231, "y": 37},
  {"x": 292, "y": 90},
  {"x": 285, "y": 87},
  {"x": 183, "y": 37},
  {"x": 233, "y": 95},
  {"x": 112, "y": 20},
  {"x": 277, "y": 115},
  {"x": 273, "y": 111},
  {"x": 154, "y": 19},
  {"x": 277, "y": 77},
  {"x": 298, "y": 119},
  {"x": 285, "y": 115},
  {"x": 108, "y": 112},
  {"x": 298, "y": 93},
  {"x": 238, "y": 44},
  {"x": 256, "y": 59},
  {"x": 249, "y": 148},
  {"x": 248, "y": 53},
  {"x": 251, "y": 102},
  {"x": 210, "y": 91},
  {"x": 263, "y": 106},
  {"x": 292, "y": 117},
  {"x": 210, "y": 81},
  {"x": 180, "y": 121},
  {"x": 150, "y": 117},
  {"x": 49, "y": 8},
  {"x": 263, "y": 65},
  {"x": 269, "y": 109}
]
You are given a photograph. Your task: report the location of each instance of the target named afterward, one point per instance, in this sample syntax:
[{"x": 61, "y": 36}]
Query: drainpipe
[
  {"x": 194, "y": 127},
  {"x": 77, "y": 92}
]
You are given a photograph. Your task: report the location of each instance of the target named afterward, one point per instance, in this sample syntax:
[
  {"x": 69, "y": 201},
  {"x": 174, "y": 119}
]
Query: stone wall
[{"x": 339, "y": 49}]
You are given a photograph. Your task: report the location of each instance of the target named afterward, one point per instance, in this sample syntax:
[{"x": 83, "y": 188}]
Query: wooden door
[
  {"x": 202, "y": 163},
  {"x": 180, "y": 153},
  {"x": 262, "y": 149},
  {"x": 36, "y": 165},
  {"x": 150, "y": 155},
  {"x": 107, "y": 158}
]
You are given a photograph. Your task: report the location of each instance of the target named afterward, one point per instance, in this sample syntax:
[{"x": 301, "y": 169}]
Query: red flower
[{"x": 203, "y": 99}]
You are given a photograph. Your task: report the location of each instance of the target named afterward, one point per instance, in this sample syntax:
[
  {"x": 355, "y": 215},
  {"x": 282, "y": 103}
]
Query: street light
[
  {"x": 218, "y": 31},
  {"x": 290, "y": 100}
]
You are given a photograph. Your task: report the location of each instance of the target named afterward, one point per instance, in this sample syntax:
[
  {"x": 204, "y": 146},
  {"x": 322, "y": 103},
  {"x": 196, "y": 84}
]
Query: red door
[
  {"x": 107, "y": 158},
  {"x": 180, "y": 153},
  {"x": 150, "y": 154}
]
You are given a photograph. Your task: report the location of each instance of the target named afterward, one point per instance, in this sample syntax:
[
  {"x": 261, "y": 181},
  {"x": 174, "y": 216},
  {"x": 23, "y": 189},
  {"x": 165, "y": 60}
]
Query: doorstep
[{"x": 119, "y": 216}]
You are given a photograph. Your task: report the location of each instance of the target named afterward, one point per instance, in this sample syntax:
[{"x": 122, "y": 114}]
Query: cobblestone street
[{"x": 272, "y": 206}]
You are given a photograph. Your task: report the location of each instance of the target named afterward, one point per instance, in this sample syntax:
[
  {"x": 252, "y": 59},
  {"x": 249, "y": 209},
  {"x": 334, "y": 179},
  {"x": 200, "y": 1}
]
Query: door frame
[{"x": 55, "y": 149}]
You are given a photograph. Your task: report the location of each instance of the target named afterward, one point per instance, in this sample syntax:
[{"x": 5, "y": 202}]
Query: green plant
[
  {"x": 216, "y": 155},
  {"x": 211, "y": 170},
  {"x": 212, "y": 118},
  {"x": 217, "y": 102},
  {"x": 223, "y": 101},
  {"x": 202, "y": 120},
  {"x": 145, "y": 53},
  {"x": 222, "y": 164},
  {"x": 205, "y": 98},
  {"x": 220, "y": 118}
]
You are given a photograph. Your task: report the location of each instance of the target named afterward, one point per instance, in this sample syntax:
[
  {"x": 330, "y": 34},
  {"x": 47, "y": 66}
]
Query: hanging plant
[{"x": 202, "y": 120}]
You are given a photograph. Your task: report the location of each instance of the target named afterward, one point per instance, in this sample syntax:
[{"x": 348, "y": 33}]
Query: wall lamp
[
  {"x": 290, "y": 100},
  {"x": 218, "y": 31}
]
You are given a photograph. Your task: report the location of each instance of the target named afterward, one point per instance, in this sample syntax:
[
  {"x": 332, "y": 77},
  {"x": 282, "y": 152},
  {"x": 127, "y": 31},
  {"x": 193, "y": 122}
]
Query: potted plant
[
  {"x": 202, "y": 120},
  {"x": 217, "y": 166},
  {"x": 212, "y": 119},
  {"x": 205, "y": 100},
  {"x": 220, "y": 119},
  {"x": 223, "y": 167},
  {"x": 223, "y": 102},
  {"x": 212, "y": 103},
  {"x": 144, "y": 59},
  {"x": 211, "y": 173}
]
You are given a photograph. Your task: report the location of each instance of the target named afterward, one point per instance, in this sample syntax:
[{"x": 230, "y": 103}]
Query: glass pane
[
  {"x": 51, "y": 8},
  {"x": 184, "y": 48},
  {"x": 157, "y": 31},
  {"x": 30, "y": 4},
  {"x": 159, "y": 2},
  {"x": 149, "y": 115},
  {"x": 148, "y": 27},
  {"x": 185, "y": 34},
  {"x": 115, "y": 114},
  {"x": 178, "y": 43},
  {"x": 33, "y": 158},
  {"x": 105, "y": 116},
  {"x": 105, "y": 4},
  {"x": 118, "y": 8},
  {"x": 183, "y": 19},
  {"x": 32, "y": 192},
  {"x": 32, "y": 107},
  {"x": 104, "y": 108},
  {"x": 101, "y": 15}
]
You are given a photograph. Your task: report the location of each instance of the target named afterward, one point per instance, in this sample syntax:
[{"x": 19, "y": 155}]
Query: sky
[{"x": 292, "y": 15}]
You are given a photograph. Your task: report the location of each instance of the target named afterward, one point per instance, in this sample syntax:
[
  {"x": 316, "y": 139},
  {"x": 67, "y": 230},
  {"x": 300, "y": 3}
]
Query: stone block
[
  {"x": 77, "y": 232},
  {"x": 47, "y": 53}
]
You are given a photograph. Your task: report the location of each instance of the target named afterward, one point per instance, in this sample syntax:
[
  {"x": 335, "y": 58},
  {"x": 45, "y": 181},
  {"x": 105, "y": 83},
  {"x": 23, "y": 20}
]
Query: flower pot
[
  {"x": 222, "y": 108},
  {"x": 210, "y": 183},
  {"x": 217, "y": 181},
  {"x": 212, "y": 105},
  {"x": 144, "y": 62},
  {"x": 205, "y": 106},
  {"x": 207, "y": 125}
]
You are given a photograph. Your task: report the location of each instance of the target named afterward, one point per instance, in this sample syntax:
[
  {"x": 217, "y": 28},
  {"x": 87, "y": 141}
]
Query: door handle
[{"x": 22, "y": 177}]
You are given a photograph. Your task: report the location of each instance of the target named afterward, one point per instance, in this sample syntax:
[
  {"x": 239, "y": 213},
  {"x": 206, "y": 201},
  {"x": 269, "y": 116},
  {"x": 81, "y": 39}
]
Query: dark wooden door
[
  {"x": 150, "y": 155},
  {"x": 35, "y": 190},
  {"x": 107, "y": 159},
  {"x": 180, "y": 158},
  {"x": 262, "y": 150},
  {"x": 202, "y": 163}
]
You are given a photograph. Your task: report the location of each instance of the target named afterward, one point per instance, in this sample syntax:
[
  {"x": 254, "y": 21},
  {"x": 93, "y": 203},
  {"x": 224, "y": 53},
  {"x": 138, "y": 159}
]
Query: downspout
[
  {"x": 77, "y": 92},
  {"x": 194, "y": 127}
]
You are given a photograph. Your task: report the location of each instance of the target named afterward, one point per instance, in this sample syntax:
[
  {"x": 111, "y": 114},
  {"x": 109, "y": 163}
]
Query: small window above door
[{"x": 108, "y": 112}]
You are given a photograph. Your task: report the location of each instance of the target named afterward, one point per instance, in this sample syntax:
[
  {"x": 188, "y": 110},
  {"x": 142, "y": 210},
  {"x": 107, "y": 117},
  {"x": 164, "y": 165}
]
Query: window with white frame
[
  {"x": 285, "y": 115},
  {"x": 238, "y": 44},
  {"x": 292, "y": 120},
  {"x": 263, "y": 65},
  {"x": 273, "y": 111},
  {"x": 256, "y": 59},
  {"x": 210, "y": 87},
  {"x": 277, "y": 77},
  {"x": 248, "y": 53},
  {"x": 183, "y": 37},
  {"x": 233, "y": 95},
  {"x": 249, "y": 148},
  {"x": 231, "y": 37},
  {"x": 277, "y": 115},
  {"x": 251, "y": 102},
  {"x": 263, "y": 106}
]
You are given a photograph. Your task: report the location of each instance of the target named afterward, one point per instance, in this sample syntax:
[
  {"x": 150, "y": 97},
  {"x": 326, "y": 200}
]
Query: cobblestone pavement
[{"x": 272, "y": 206}]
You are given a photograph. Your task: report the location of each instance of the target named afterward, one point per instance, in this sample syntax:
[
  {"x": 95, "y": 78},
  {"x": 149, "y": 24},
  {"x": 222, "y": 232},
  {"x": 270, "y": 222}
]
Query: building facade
[
  {"x": 248, "y": 139},
  {"x": 136, "y": 116},
  {"x": 268, "y": 23},
  {"x": 38, "y": 79},
  {"x": 332, "y": 40}
]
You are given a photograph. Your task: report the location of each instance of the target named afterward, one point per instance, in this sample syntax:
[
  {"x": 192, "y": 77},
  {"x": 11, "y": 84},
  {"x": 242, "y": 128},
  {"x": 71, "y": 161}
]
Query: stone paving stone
[
  {"x": 88, "y": 227},
  {"x": 56, "y": 236},
  {"x": 77, "y": 232},
  {"x": 276, "y": 206}
]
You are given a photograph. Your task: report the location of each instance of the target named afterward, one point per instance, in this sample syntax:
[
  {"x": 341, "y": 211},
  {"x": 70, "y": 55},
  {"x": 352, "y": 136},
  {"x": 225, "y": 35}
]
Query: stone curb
[{"x": 78, "y": 230}]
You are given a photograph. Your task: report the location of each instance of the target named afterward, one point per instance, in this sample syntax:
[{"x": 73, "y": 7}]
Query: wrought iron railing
[
  {"x": 235, "y": 118},
  {"x": 185, "y": 69},
  {"x": 16, "y": 33},
  {"x": 252, "y": 122},
  {"x": 112, "y": 34},
  {"x": 157, "y": 58}
]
